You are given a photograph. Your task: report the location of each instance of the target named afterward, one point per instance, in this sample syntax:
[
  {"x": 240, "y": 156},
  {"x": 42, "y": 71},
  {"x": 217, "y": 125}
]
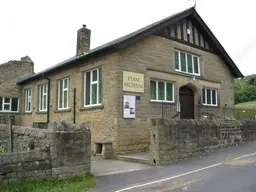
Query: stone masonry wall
[
  {"x": 172, "y": 140},
  {"x": 66, "y": 153},
  {"x": 10, "y": 73},
  {"x": 24, "y": 165},
  {"x": 248, "y": 129},
  {"x": 154, "y": 57},
  {"x": 4, "y": 137},
  {"x": 100, "y": 118},
  {"x": 22, "y": 137}
]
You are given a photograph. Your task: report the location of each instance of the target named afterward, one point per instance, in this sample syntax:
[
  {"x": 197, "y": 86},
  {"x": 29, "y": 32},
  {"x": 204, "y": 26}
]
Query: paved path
[
  {"x": 226, "y": 170},
  {"x": 102, "y": 167}
]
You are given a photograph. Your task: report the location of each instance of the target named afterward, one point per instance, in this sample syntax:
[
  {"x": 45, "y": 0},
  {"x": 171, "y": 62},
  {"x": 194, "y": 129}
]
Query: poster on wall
[{"x": 129, "y": 106}]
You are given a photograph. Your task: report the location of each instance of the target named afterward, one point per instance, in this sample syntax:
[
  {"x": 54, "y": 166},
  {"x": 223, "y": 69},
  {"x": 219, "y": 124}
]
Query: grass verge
[
  {"x": 251, "y": 105},
  {"x": 74, "y": 184}
]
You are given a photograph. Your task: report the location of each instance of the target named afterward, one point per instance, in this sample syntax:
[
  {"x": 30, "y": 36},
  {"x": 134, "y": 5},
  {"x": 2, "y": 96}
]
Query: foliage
[
  {"x": 245, "y": 89},
  {"x": 3, "y": 150},
  {"x": 225, "y": 118},
  {"x": 74, "y": 184}
]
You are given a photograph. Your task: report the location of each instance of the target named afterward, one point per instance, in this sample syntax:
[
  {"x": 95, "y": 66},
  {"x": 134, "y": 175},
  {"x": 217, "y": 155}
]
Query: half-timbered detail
[{"x": 186, "y": 31}]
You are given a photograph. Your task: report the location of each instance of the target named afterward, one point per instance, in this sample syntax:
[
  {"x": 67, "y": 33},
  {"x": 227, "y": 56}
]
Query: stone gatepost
[{"x": 70, "y": 147}]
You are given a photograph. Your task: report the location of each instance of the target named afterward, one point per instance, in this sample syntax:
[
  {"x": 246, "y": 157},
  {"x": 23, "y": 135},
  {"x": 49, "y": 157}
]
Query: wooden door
[{"x": 186, "y": 103}]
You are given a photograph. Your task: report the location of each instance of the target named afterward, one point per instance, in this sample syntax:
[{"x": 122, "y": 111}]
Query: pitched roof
[{"x": 139, "y": 34}]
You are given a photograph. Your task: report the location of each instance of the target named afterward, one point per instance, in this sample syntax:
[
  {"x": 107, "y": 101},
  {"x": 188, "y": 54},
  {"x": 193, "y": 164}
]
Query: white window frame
[
  {"x": 65, "y": 89},
  {"x": 165, "y": 92},
  {"x": 28, "y": 100},
  {"x": 45, "y": 93},
  {"x": 216, "y": 96},
  {"x": 92, "y": 83},
  {"x": 186, "y": 57},
  {"x": 10, "y": 105}
]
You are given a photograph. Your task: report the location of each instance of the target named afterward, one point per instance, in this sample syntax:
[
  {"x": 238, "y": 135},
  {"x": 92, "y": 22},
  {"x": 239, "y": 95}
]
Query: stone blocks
[
  {"x": 175, "y": 139},
  {"x": 68, "y": 153}
]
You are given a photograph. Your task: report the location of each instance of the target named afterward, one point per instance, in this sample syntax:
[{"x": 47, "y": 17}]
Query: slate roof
[{"x": 137, "y": 35}]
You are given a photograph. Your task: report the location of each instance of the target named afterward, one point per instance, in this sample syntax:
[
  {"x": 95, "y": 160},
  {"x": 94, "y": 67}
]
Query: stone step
[{"x": 134, "y": 159}]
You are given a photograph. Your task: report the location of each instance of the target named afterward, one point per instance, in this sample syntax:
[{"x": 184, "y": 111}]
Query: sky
[{"x": 46, "y": 30}]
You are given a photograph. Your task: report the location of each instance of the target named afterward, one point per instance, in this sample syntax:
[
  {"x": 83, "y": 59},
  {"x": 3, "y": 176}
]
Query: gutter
[{"x": 48, "y": 97}]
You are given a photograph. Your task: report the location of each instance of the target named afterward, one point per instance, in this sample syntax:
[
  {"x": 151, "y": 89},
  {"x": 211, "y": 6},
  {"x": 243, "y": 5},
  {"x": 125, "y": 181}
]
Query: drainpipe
[
  {"x": 74, "y": 110},
  {"x": 48, "y": 98}
]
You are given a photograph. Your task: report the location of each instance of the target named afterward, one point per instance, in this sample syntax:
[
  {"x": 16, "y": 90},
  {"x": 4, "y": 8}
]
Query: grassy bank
[
  {"x": 246, "y": 110},
  {"x": 247, "y": 105},
  {"x": 74, "y": 184}
]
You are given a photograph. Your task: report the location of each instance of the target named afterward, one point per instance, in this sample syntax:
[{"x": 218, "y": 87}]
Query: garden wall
[
  {"x": 60, "y": 151},
  {"x": 172, "y": 140}
]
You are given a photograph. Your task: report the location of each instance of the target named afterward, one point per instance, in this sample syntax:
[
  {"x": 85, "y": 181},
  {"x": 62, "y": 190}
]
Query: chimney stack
[{"x": 83, "y": 41}]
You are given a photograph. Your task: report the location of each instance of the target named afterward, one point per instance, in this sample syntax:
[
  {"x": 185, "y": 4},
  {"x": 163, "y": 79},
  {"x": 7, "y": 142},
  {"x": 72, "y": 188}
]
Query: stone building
[
  {"x": 175, "y": 64},
  {"x": 10, "y": 73}
]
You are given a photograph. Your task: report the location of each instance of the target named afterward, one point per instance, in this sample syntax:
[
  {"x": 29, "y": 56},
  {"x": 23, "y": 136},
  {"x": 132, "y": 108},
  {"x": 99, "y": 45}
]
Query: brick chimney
[{"x": 83, "y": 41}]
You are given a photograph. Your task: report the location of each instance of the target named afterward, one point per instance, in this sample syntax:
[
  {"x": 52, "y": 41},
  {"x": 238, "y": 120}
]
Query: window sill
[
  {"x": 157, "y": 101},
  {"x": 28, "y": 113},
  {"x": 212, "y": 106},
  {"x": 100, "y": 106},
  {"x": 41, "y": 112},
  {"x": 9, "y": 112},
  {"x": 62, "y": 110},
  {"x": 190, "y": 74}
]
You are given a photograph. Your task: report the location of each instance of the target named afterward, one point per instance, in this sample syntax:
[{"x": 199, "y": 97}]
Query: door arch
[{"x": 187, "y": 105}]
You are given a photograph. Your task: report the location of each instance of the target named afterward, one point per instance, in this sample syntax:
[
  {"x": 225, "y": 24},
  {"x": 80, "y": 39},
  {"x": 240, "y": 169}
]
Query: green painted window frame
[{"x": 163, "y": 96}]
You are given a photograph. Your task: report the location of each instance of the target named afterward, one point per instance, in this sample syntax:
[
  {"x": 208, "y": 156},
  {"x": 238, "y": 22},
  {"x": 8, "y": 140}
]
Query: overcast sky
[{"x": 46, "y": 30}]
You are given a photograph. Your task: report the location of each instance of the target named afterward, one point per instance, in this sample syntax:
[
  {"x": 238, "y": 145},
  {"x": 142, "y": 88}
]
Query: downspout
[{"x": 48, "y": 98}]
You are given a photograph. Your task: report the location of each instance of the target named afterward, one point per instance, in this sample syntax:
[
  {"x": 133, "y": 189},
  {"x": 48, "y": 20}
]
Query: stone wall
[
  {"x": 172, "y": 140},
  {"x": 4, "y": 137},
  {"x": 100, "y": 118},
  {"x": 22, "y": 137},
  {"x": 61, "y": 151},
  {"x": 153, "y": 56},
  {"x": 248, "y": 129},
  {"x": 24, "y": 165},
  {"x": 10, "y": 73}
]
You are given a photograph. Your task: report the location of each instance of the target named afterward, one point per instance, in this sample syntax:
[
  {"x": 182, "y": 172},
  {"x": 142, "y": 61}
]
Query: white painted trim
[
  {"x": 10, "y": 105},
  {"x": 97, "y": 83},
  {"x": 28, "y": 100},
  {"x": 64, "y": 89},
  {"x": 186, "y": 59},
  {"x": 161, "y": 101},
  {"x": 207, "y": 104},
  {"x": 44, "y": 90},
  {"x": 165, "y": 92}
]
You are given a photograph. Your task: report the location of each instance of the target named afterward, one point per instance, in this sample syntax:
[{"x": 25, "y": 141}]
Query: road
[{"x": 225, "y": 170}]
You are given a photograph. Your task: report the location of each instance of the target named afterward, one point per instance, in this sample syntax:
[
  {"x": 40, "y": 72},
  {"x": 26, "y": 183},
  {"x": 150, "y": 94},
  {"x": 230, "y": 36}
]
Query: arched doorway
[{"x": 186, "y": 96}]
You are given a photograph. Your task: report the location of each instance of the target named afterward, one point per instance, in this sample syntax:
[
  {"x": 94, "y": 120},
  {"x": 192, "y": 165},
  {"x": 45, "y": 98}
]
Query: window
[
  {"x": 92, "y": 87},
  {"x": 187, "y": 63},
  {"x": 63, "y": 90},
  {"x": 28, "y": 94},
  {"x": 8, "y": 104},
  {"x": 161, "y": 91},
  {"x": 43, "y": 90},
  {"x": 209, "y": 97}
]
